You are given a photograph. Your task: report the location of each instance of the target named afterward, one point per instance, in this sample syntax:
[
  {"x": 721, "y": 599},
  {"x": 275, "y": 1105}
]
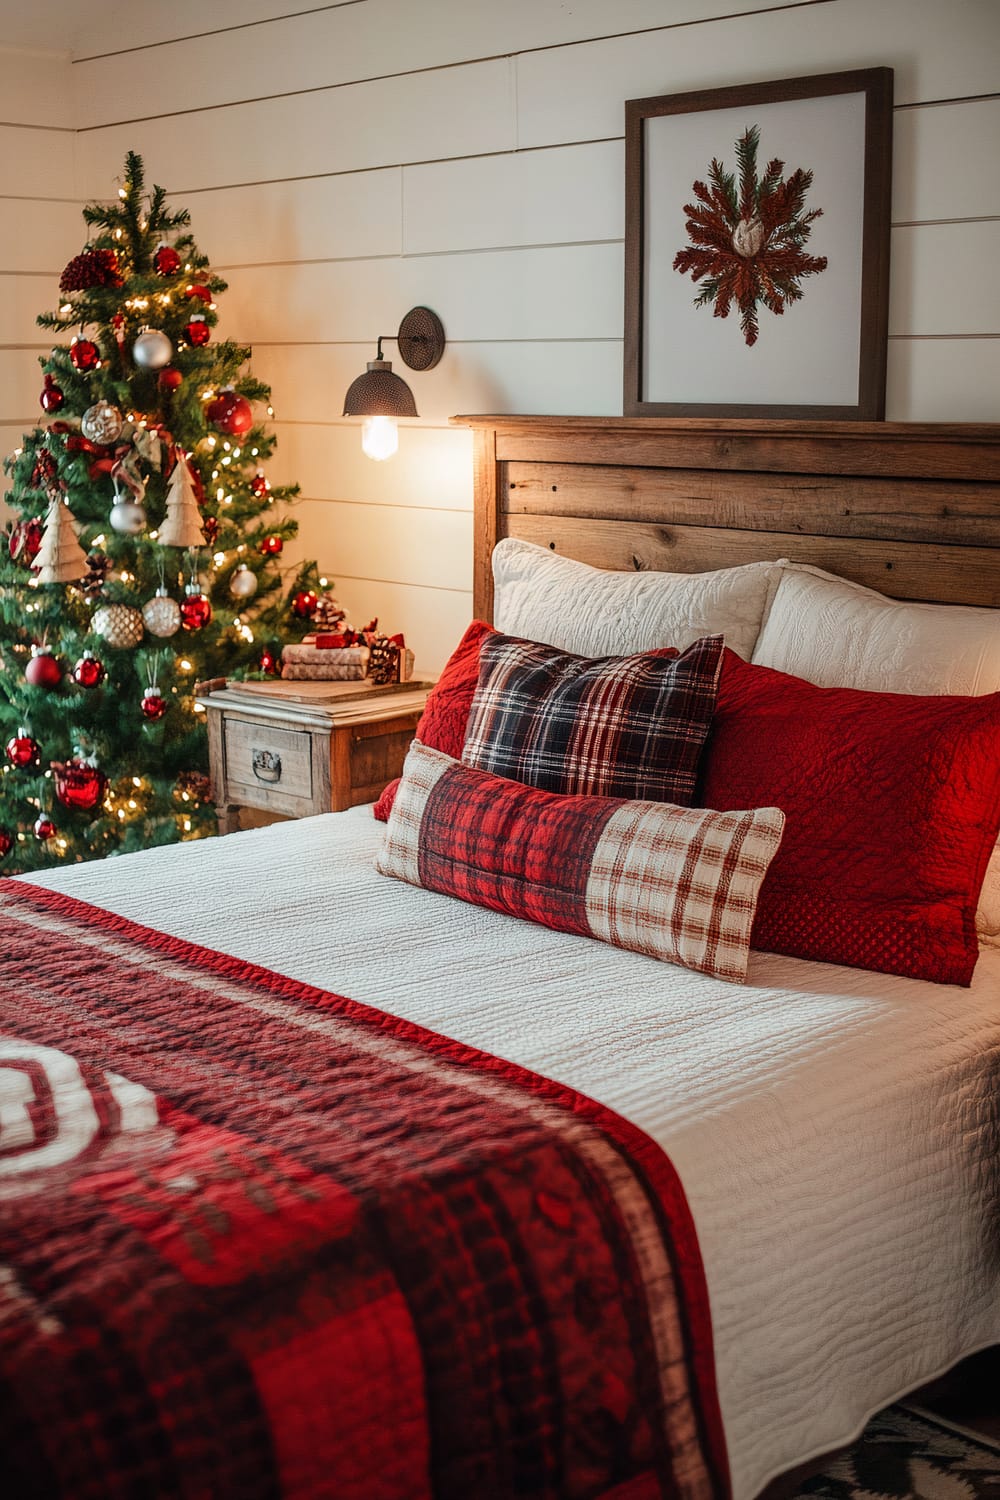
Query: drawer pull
[{"x": 266, "y": 765}]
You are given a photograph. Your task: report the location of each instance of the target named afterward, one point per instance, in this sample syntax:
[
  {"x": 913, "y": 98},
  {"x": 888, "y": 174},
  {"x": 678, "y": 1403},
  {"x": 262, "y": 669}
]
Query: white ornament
[
  {"x": 182, "y": 526},
  {"x": 162, "y": 615},
  {"x": 118, "y": 624},
  {"x": 243, "y": 584},
  {"x": 101, "y": 423},
  {"x": 748, "y": 236},
  {"x": 152, "y": 349},
  {"x": 128, "y": 518}
]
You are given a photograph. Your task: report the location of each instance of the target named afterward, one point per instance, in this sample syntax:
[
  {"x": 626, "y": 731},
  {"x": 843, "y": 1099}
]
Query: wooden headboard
[{"x": 910, "y": 509}]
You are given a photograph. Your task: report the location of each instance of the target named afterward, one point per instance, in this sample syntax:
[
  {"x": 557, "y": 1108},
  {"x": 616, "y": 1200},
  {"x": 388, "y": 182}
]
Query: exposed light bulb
[{"x": 379, "y": 437}]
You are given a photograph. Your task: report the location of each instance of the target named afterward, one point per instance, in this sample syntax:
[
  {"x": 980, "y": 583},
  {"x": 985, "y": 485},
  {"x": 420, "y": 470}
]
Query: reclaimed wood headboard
[{"x": 910, "y": 509}]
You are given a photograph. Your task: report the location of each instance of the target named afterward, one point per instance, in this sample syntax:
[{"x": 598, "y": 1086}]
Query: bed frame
[{"x": 910, "y": 509}]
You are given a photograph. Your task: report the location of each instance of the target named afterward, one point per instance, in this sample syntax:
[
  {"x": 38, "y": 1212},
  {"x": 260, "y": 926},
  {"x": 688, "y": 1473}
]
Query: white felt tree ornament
[
  {"x": 60, "y": 558},
  {"x": 182, "y": 525}
]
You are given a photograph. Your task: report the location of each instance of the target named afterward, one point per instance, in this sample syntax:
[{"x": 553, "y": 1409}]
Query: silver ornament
[
  {"x": 118, "y": 624},
  {"x": 152, "y": 349},
  {"x": 128, "y": 518},
  {"x": 102, "y": 422},
  {"x": 162, "y": 615},
  {"x": 243, "y": 584}
]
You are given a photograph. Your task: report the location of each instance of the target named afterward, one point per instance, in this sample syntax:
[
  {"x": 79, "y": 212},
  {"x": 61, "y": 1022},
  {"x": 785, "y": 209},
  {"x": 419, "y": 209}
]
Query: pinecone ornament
[
  {"x": 92, "y": 582},
  {"x": 92, "y": 268},
  {"x": 383, "y": 660}
]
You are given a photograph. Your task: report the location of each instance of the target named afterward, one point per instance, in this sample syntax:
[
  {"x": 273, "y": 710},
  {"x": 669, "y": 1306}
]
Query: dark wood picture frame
[{"x": 876, "y": 85}]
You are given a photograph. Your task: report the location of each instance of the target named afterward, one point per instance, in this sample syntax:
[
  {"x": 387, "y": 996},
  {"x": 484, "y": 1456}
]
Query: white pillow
[
  {"x": 544, "y": 597},
  {"x": 838, "y": 634}
]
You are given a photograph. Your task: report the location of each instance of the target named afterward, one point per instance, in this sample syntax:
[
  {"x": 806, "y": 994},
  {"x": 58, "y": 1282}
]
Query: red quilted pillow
[
  {"x": 892, "y": 806},
  {"x": 446, "y": 712}
]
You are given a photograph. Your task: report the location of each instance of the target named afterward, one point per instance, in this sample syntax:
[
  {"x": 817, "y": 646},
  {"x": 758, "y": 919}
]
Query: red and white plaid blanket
[{"x": 259, "y": 1240}]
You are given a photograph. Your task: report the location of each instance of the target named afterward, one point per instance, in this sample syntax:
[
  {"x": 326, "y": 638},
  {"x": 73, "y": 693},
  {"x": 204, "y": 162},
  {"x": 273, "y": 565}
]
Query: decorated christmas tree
[{"x": 145, "y": 553}]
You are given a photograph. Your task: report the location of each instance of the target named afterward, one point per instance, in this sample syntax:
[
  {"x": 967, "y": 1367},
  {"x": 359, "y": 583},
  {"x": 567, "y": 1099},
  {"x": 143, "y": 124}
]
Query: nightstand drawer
[{"x": 267, "y": 761}]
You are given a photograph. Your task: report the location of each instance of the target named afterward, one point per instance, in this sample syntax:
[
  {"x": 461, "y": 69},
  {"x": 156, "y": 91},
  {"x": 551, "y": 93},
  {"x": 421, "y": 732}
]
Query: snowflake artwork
[{"x": 747, "y": 240}]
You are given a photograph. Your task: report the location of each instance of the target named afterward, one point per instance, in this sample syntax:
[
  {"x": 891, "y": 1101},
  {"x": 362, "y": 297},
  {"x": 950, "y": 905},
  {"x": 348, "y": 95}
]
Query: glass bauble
[
  {"x": 79, "y": 784},
  {"x": 270, "y": 545},
  {"x": 43, "y": 671},
  {"x": 166, "y": 260},
  {"x": 230, "y": 413},
  {"x": 84, "y": 355},
  {"x": 197, "y": 332},
  {"x": 23, "y": 751},
  {"x": 44, "y": 829},
  {"x": 243, "y": 584},
  {"x": 304, "y": 604},
  {"x": 196, "y": 609},
  {"x": 162, "y": 615},
  {"x": 128, "y": 518},
  {"x": 153, "y": 705},
  {"x": 52, "y": 398},
  {"x": 102, "y": 422},
  {"x": 152, "y": 349},
  {"x": 89, "y": 671},
  {"x": 6, "y": 842}
]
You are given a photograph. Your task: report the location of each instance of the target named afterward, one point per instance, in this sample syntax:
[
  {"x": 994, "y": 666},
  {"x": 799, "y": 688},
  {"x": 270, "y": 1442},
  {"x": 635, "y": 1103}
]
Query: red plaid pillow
[
  {"x": 676, "y": 883},
  {"x": 617, "y": 726}
]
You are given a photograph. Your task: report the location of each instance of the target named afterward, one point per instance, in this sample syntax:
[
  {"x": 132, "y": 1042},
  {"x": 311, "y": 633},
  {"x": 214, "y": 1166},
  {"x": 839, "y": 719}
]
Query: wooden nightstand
[{"x": 296, "y": 748}]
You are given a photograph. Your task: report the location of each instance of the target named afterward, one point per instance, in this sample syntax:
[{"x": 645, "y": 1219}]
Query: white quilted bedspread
[{"x": 838, "y": 1132}]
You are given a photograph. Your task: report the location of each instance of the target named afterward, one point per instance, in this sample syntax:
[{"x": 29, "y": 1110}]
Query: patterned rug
[{"x": 905, "y": 1454}]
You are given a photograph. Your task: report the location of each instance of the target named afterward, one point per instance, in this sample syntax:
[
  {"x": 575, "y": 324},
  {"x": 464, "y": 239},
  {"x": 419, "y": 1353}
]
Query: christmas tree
[{"x": 145, "y": 553}]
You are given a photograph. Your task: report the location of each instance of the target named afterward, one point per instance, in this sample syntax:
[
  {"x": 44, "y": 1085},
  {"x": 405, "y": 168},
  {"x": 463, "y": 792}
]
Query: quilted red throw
[{"x": 257, "y": 1240}]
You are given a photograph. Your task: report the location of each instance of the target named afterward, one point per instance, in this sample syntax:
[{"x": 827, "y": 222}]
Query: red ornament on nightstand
[
  {"x": 259, "y": 486},
  {"x": 6, "y": 842},
  {"x": 166, "y": 260},
  {"x": 270, "y": 545},
  {"x": 79, "y": 784},
  {"x": 304, "y": 604},
  {"x": 52, "y": 398},
  {"x": 89, "y": 672},
  {"x": 43, "y": 671},
  {"x": 84, "y": 355},
  {"x": 197, "y": 332},
  {"x": 169, "y": 379},
  {"x": 44, "y": 829},
  {"x": 23, "y": 751},
  {"x": 153, "y": 705},
  {"x": 229, "y": 412},
  {"x": 196, "y": 609}
]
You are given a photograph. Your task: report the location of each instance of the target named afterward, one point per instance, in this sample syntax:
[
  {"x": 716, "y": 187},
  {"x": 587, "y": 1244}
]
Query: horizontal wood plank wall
[
  {"x": 917, "y": 518},
  {"x": 345, "y": 161}
]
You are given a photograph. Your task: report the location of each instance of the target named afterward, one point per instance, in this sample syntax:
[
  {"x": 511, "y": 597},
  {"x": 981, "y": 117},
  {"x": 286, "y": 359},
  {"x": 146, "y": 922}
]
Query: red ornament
[
  {"x": 43, "y": 671},
  {"x": 22, "y": 751},
  {"x": 204, "y": 293},
  {"x": 79, "y": 784},
  {"x": 6, "y": 842},
  {"x": 25, "y": 539},
  {"x": 44, "y": 829},
  {"x": 52, "y": 398},
  {"x": 270, "y": 545},
  {"x": 89, "y": 672},
  {"x": 166, "y": 261},
  {"x": 85, "y": 355},
  {"x": 196, "y": 610},
  {"x": 92, "y": 268},
  {"x": 169, "y": 379},
  {"x": 230, "y": 413},
  {"x": 259, "y": 486},
  {"x": 270, "y": 662},
  {"x": 304, "y": 604},
  {"x": 197, "y": 332},
  {"x": 153, "y": 706}
]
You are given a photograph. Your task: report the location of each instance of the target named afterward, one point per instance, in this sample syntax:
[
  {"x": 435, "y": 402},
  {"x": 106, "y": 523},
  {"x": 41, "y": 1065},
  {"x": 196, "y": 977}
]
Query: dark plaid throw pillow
[{"x": 617, "y": 726}]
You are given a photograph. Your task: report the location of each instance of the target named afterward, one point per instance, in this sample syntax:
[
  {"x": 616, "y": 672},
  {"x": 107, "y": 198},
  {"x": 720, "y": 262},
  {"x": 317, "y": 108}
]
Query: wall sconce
[{"x": 379, "y": 396}]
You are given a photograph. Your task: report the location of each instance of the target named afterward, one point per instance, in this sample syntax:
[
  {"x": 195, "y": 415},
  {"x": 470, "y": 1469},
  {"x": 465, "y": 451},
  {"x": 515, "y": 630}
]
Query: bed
[{"x": 836, "y": 1131}]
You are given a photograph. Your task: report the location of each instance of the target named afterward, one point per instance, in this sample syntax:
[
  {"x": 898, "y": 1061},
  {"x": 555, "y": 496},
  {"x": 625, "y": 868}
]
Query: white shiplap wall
[{"x": 347, "y": 162}]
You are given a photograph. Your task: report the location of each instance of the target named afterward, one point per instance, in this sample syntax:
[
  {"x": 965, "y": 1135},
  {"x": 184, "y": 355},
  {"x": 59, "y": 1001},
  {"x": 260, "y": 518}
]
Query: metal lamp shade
[{"x": 379, "y": 393}]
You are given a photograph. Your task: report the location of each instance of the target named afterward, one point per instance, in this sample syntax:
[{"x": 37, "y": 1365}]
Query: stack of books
[{"x": 318, "y": 659}]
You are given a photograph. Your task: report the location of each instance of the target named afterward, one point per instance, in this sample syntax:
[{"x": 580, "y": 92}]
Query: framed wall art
[{"x": 757, "y": 249}]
